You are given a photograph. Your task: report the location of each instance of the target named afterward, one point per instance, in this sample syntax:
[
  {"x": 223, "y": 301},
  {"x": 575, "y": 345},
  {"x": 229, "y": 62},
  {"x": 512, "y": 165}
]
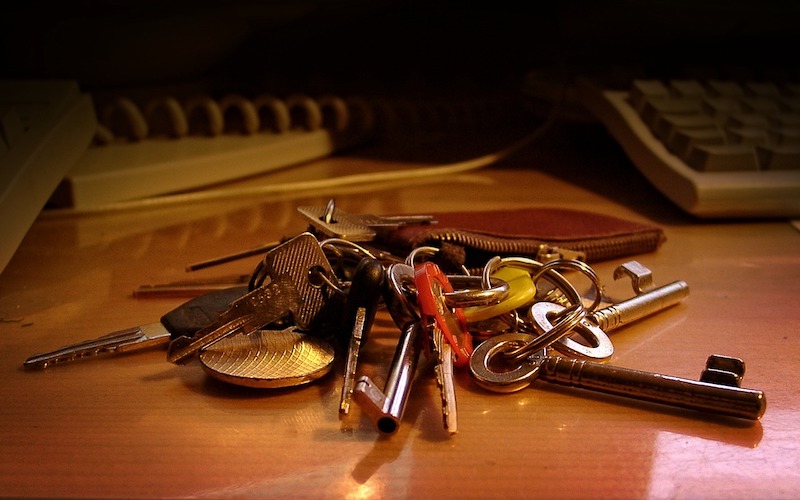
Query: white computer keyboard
[{"x": 716, "y": 148}]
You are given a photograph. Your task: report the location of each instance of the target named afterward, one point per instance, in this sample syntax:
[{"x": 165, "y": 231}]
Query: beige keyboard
[{"x": 716, "y": 148}]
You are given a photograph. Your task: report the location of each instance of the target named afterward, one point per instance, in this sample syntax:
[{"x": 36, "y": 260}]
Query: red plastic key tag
[{"x": 431, "y": 284}]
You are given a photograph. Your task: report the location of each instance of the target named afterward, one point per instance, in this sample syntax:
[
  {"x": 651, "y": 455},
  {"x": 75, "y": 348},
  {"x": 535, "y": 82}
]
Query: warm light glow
[
  {"x": 680, "y": 462},
  {"x": 361, "y": 491}
]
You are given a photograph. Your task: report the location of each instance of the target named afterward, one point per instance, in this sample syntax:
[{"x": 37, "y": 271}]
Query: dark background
[{"x": 384, "y": 44}]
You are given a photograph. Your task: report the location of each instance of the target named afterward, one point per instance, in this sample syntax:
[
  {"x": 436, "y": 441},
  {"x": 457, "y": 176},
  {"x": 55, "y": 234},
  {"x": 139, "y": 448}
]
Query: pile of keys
[{"x": 516, "y": 321}]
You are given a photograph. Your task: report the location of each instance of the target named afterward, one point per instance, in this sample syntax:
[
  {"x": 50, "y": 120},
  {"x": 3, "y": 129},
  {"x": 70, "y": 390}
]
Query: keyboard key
[
  {"x": 747, "y": 120},
  {"x": 683, "y": 140},
  {"x": 722, "y": 158},
  {"x": 642, "y": 89},
  {"x": 751, "y": 136},
  {"x": 759, "y": 104},
  {"x": 784, "y": 119},
  {"x": 781, "y": 157},
  {"x": 687, "y": 88},
  {"x": 762, "y": 89},
  {"x": 721, "y": 106},
  {"x": 784, "y": 135},
  {"x": 658, "y": 106},
  {"x": 725, "y": 88},
  {"x": 791, "y": 103},
  {"x": 667, "y": 125}
]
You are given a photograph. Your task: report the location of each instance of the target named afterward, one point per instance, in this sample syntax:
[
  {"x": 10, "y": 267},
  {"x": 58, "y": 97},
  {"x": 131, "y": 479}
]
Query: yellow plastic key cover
[{"x": 521, "y": 290}]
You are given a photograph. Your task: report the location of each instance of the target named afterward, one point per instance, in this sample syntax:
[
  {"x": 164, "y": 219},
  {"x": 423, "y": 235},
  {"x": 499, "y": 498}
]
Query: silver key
[
  {"x": 386, "y": 407},
  {"x": 444, "y": 377},
  {"x": 291, "y": 280},
  {"x": 702, "y": 396},
  {"x": 336, "y": 223},
  {"x": 361, "y": 305},
  {"x": 186, "y": 319}
]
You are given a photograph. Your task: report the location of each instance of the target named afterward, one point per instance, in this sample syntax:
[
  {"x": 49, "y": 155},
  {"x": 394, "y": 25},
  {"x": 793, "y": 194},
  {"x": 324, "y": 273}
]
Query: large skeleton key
[
  {"x": 185, "y": 320},
  {"x": 292, "y": 280},
  {"x": 719, "y": 399}
]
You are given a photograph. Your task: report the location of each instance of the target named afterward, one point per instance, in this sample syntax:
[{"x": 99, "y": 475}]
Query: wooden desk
[{"x": 136, "y": 426}]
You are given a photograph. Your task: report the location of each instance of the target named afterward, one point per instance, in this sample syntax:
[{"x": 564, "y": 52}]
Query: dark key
[{"x": 362, "y": 302}]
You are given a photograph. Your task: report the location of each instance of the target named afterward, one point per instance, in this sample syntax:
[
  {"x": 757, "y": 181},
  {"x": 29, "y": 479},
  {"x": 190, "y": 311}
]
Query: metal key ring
[
  {"x": 536, "y": 268},
  {"x": 520, "y": 373},
  {"x": 340, "y": 245},
  {"x": 398, "y": 301},
  {"x": 574, "y": 315},
  {"x": 466, "y": 295},
  {"x": 423, "y": 251},
  {"x": 570, "y": 317},
  {"x": 601, "y": 347},
  {"x": 491, "y": 291},
  {"x": 428, "y": 251},
  {"x": 578, "y": 266}
]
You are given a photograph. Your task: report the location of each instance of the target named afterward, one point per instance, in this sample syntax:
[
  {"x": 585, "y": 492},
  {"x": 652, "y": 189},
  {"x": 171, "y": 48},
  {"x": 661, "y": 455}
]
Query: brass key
[
  {"x": 293, "y": 280},
  {"x": 262, "y": 306},
  {"x": 702, "y": 396}
]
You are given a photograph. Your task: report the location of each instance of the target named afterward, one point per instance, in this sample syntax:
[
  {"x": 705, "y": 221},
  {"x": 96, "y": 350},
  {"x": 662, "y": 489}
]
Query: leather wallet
[{"x": 470, "y": 239}]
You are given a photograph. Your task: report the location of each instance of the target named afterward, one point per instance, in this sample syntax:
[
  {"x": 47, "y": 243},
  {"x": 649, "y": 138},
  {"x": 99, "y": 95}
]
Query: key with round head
[{"x": 185, "y": 320}]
